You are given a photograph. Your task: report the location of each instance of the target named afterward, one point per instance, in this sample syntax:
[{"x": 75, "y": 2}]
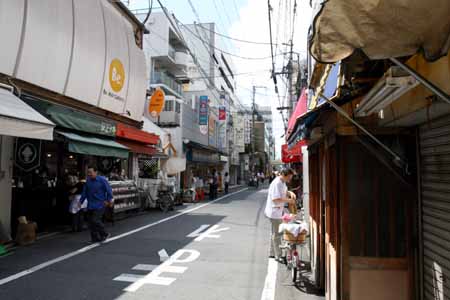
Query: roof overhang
[{"x": 380, "y": 28}]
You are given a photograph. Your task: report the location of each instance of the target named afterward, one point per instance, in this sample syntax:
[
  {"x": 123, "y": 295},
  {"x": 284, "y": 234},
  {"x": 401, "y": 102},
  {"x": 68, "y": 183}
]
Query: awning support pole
[
  {"x": 429, "y": 85},
  {"x": 397, "y": 158}
]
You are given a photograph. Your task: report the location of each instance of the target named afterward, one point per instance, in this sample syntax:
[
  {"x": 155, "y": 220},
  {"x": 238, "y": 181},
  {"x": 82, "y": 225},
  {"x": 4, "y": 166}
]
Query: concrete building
[{"x": 211, "y": 77}]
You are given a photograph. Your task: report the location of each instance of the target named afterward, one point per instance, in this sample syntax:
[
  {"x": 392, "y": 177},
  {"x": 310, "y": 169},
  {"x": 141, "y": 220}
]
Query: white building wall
[{"x": 157, "y": 42}]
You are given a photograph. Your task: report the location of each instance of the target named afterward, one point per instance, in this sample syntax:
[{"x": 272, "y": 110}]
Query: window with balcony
[
  {"x": 163, "y": 77},
  {"x": 168, "y": 105}
]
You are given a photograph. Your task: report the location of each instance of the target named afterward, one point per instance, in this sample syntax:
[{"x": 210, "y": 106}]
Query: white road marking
[
  {"x": 163, "y": 255},
  {"x": 268, "y": 292},
  {"x": 90, "y": 247},
  {"x": 210, "y": 233},
  {"x": 128, "y": 277},
  {"x": 197, "y": 232},
  {"x": 166, "y": 267},
  {"x": 142, "y": 267}
]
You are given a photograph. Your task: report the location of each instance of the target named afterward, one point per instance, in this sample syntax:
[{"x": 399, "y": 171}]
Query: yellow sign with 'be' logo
[{"x": 116, "y": 75}]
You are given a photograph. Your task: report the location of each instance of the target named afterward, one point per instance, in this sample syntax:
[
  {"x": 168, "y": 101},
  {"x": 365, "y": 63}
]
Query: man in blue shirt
[{"x": 98, "y": 193}]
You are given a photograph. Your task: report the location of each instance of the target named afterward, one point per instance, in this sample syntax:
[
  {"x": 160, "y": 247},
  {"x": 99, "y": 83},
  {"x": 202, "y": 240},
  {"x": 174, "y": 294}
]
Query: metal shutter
[{"x": 435, "y": 198}]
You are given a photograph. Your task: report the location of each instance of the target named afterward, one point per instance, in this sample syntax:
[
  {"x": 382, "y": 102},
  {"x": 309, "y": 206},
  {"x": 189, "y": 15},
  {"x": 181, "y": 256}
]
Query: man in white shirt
[{"x": 278, "y": 195}]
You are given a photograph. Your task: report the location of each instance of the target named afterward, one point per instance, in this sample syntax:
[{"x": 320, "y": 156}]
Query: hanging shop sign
[
  {"x": 203, "y": 111},
  {"x": 222, "y": 113},
  {"x": 156, "y": 104},
  {"x": 28, "y": 154}
]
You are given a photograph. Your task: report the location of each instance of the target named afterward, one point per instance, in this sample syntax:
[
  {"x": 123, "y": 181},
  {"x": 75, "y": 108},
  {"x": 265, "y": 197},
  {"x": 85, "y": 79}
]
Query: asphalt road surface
[{"x": 216, "y": 250}]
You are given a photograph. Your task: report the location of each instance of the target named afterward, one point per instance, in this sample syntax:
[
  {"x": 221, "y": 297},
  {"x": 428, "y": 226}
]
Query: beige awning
[
  {"x": 380, "y": 28},
  {"x": 20, "y": 120}
]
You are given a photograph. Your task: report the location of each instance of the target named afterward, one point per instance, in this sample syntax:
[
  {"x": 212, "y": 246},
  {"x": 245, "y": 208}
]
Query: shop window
[{"x": 148, "y": 168}]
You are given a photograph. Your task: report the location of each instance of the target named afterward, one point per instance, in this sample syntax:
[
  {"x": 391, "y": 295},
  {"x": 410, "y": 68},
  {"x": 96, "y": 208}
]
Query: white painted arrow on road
[{"x": 201, "y": 234}]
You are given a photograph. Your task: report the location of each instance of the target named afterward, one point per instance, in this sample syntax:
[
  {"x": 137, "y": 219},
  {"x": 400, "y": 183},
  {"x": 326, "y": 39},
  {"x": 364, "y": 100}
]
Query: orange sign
[{"x": 156, "y": 102}]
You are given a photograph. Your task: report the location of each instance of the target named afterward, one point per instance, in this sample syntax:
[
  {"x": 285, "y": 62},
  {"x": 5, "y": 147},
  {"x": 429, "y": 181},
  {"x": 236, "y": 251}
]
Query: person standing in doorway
[
  {"x": 227, "y": 182},
  {"x": 98, "y": 193},
  {"x": 278, "y": 195}
]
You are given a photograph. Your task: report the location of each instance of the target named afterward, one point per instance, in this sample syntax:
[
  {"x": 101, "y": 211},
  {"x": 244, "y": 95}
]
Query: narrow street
[{"x": 218, "y": 249}]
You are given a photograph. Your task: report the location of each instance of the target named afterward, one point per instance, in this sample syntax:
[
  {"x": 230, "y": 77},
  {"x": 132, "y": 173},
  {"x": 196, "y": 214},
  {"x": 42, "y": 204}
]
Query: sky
[{"x": 248, "y": 20}]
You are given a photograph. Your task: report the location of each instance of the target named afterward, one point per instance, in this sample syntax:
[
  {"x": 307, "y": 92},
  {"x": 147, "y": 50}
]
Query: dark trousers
[
  {"x": 211, "y": 191},
  {"x": 77, "y": 221},
  {"x": 96, "y": 226},
  {"x": 216, "y": 188},
  {"x": 226, "y": 187}
]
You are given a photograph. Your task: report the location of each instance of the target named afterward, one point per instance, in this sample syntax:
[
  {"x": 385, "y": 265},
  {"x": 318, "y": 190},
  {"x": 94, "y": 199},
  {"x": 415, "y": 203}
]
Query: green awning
[
  {"x": 73, "y": 119},
  {"x": 94, "y": 146}
]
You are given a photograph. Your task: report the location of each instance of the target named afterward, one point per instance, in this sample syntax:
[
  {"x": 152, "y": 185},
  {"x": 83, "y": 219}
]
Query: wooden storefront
[{"x": 361, "y": 215}]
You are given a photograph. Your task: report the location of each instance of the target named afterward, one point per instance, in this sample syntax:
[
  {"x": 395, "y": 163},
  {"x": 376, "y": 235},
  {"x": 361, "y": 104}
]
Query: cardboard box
[{"x": 26, "y": 233}]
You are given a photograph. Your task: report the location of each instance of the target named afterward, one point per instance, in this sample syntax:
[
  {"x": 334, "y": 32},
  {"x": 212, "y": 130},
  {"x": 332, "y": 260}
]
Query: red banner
[
  {"x": 293, "y": 155},
  {"x": 222, "y": 113}
]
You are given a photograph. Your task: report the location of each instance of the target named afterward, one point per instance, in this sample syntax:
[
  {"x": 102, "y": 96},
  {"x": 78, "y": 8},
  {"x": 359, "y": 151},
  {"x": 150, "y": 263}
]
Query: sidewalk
[{"x": 304, "y": 288}]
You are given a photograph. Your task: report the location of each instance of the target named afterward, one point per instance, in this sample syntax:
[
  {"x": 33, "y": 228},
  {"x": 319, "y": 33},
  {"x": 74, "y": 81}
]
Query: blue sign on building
[{"x": 203, "y": 111}]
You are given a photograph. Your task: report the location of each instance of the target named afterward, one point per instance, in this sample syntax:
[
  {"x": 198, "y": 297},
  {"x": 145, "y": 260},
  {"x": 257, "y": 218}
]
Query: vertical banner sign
[
  {"x": 212, "y": 139},
  {"x": 222, "y": 113},
  {"x": 203, "y": 111}
]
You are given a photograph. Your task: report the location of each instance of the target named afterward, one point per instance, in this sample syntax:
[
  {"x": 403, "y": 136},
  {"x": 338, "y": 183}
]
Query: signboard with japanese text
[
  {"x": 156, "y": 104},
  {"x": 203, "y": 111},
  {"x": 222, "y": 113}
]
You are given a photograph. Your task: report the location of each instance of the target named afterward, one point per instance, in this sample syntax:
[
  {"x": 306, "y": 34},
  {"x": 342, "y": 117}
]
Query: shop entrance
[{"x": 41, "y": 191}]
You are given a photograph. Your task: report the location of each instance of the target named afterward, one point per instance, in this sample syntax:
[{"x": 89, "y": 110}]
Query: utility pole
[{"x": 290, "y": 75}]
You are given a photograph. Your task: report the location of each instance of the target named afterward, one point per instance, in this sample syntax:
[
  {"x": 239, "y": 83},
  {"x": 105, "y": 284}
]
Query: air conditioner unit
[{"x": 391, "y": 86}]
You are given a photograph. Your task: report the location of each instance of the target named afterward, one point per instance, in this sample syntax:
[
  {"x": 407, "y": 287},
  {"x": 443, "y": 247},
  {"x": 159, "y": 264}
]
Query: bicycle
[
  {"x": 291, "y": 254},
  {"x": 165, "y": 200}
]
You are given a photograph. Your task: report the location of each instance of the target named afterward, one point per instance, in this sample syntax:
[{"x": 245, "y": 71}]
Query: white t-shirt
[{"x": 277, "y": 190}]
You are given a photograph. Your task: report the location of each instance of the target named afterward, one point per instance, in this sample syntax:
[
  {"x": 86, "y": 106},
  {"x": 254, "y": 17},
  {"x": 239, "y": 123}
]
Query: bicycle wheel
[{"x": 164, "y": 203}]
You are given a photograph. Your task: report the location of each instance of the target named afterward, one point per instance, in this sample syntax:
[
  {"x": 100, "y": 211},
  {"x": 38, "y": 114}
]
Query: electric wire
[
  {"x": 233, "y": 38},
  {"x": 221, "y": 50},
  {"x": 150, "y": 5},
  {"x": 226, "y": 13}
]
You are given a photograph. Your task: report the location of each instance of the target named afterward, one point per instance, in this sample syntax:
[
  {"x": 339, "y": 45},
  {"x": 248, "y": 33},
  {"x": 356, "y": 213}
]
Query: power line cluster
[
  {"x": 287, "y": 11},
  {"x": 282, "y": 36}
]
